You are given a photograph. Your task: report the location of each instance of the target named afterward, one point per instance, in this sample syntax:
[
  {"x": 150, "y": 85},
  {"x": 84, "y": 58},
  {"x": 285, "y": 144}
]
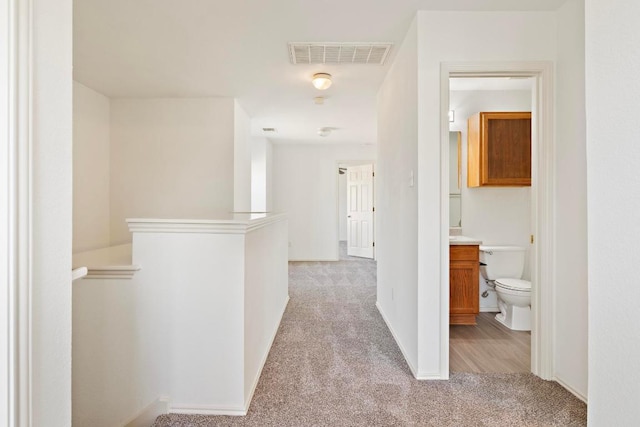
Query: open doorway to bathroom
[{"x": 496, "y": 216}]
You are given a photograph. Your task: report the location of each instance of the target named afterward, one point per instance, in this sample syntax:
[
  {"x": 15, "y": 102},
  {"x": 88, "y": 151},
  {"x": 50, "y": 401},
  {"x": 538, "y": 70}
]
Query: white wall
[
  {"x": 261, "y": 167},
  {"x": 456, "y": 37},
  {"x": 51, "y": 185},
  {"x": 613, "y": 155},
  {"x": 570, "y": 343},
  {"x": 170, "y": 158},
  {"x": 305, "y": 187},
  {"x": 91, "y": 130},
  {"x": 241, "y": 159},
  {"x": 495, "y": 215},
  {"x": 266, "y": 293},
  {"x": 119, "y": 360},
  {"x": 397, "y": 201}
]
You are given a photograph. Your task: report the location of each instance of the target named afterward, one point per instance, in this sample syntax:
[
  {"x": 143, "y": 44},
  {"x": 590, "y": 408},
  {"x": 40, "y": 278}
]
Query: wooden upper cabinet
[{"x": 499, "y": 149}]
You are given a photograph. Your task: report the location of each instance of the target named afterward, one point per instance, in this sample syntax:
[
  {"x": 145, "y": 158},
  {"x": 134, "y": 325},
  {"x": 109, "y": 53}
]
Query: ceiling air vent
[{"x": 339, "y": 53}]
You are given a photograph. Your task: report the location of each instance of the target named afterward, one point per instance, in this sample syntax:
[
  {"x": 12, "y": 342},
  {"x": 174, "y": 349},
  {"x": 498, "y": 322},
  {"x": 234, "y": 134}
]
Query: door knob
[{"x": 348, "y": 216}]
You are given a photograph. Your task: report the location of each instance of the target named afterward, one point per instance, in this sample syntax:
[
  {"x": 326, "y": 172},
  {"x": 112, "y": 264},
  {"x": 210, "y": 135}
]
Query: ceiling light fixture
[
  {"x": 321, "y": 81},
  {"x": 324, "y": 132}
]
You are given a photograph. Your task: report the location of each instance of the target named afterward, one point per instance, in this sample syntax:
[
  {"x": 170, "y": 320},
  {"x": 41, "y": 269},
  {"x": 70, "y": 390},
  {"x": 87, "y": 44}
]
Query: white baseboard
[
  {"x": 313, "y": 260},
  {"x": 264, "y": 358},
  {"x": 208, "y": 410},
  {"x": 395, "y": 337},
  {"x": 148, "y": 415},
  {"x": 489, "y": 310},
  {"x": 571, "y": 389},
  {"x": 430, "y": 376}
]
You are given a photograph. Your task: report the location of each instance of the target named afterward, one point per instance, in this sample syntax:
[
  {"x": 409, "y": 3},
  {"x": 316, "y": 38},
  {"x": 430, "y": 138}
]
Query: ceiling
[{"x": 238, "y": 48}]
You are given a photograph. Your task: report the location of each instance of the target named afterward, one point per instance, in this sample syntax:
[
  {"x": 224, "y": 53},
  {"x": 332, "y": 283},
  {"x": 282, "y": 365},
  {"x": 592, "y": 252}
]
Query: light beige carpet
[{"x": 335, "y": 363}]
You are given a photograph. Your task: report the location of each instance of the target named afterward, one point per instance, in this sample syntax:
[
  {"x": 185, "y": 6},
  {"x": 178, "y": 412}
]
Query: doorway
[
  {"x": 496, "y": 216},
  {"x": 356, "y": 209},
  {"x": 541, "y": 198}
]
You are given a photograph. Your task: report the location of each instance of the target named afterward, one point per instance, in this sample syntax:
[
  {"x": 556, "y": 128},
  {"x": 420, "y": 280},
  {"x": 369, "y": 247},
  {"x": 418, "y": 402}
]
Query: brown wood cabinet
[
  {"x": 464, "y": 293},
  {"x": 499, "y": 149}
]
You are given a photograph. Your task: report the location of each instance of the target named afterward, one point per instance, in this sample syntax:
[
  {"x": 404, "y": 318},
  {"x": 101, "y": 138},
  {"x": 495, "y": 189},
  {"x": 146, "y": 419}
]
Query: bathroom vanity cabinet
[
  {"x": 464, "y": 298},
  {"x": 499, "y": 149}
]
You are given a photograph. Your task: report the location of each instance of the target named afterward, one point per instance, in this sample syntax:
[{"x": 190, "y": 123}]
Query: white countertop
[{"x": 463, "y": 240}]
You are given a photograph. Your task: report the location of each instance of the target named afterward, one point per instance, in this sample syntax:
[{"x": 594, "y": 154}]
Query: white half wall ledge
[
  {"x": 113, "y": 262},
  {"x": 224, "y": 279},
  {"x": 78, "y": 273},
  {"x": 228, "y": 223}
]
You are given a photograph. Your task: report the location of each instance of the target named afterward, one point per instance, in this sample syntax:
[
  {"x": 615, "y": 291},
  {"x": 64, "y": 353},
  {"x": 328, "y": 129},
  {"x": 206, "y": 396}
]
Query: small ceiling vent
[
  {"x": 268, "y": 129},
  {"x": 339, "y": 53}
]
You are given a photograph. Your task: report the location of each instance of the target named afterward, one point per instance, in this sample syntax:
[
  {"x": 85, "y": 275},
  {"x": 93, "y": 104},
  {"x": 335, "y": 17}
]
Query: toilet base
[{"x": 514, "y": 317}]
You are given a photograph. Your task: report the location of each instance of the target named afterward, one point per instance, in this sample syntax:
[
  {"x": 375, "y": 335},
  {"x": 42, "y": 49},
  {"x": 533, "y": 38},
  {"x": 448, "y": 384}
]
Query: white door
[{"x": 360, "y": 211}]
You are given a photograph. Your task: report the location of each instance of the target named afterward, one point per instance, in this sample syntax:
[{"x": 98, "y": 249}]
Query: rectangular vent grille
[{"x": 339, "y": 53}]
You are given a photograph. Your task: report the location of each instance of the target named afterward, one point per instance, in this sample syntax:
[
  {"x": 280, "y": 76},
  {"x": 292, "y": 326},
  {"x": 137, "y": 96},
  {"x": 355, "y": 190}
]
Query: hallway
[{"x": 334, "y": 362}]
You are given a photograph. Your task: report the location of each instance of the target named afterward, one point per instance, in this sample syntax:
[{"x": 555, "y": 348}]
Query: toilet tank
[{"x": 501, "y": 262}]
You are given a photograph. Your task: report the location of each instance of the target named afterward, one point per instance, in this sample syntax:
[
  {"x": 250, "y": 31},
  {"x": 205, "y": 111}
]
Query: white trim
[
  {"x": 7, "y": 207},
  {"x": 115, "y": 272},
  {"x": 112, "y": 262},
  {"x": 17, "y": 218},
  {"x": 247, "y": 401},
  {"x": 147, "y": 416},
  {"x": 314, "y": 259},
  {"x": 489, "y": 310},
  {"x": 412, "y": 368},
  {"x": 571, "y": 389},
  {"x": 235, "y": 411},
  {"x": 543, "y": 177},
  {"x": 444, "y": 223},
  {"x": 78, "y": 273},
  {"x": 431, "y": 377},
  {"x": 234, "y": 224}
]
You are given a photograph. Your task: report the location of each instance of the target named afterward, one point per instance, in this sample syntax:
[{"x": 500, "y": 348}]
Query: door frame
[
  {"x": 353, "y": 163},
  {"x": 542, "y": 202},
  {"x": 16, "y": 233}
]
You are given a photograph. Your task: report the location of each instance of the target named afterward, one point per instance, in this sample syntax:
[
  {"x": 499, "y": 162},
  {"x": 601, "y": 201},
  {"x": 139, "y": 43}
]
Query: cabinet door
[
  {"x": 506, "y": 148},
  {"x": 463, "y": 282},
  {"x": 499, "y": 149}
]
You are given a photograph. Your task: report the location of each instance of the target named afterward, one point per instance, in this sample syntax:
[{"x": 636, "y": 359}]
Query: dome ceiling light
[{"x": 321, "y": 81}]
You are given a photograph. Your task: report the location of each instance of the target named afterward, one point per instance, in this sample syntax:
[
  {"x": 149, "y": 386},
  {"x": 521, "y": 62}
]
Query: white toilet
[{"x": 503, "y": 267}]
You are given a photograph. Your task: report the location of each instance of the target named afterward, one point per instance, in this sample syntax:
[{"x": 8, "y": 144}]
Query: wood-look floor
[{"x": 488, "y": 347}]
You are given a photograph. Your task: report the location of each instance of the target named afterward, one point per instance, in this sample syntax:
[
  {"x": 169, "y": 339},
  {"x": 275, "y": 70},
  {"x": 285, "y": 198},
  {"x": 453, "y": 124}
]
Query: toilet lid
[{"x": 514, "y": 284}]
